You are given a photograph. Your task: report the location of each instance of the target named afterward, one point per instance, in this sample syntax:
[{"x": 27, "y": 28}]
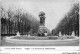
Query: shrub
[{"x": 54, "y": 38}]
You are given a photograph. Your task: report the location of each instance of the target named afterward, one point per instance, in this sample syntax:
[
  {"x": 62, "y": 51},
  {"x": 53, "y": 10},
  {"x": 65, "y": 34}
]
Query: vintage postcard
[{"x": 39, "y": 23}]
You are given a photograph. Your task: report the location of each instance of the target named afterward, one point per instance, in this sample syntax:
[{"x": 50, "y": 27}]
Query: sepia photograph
[{"x": 39, "y": 22}]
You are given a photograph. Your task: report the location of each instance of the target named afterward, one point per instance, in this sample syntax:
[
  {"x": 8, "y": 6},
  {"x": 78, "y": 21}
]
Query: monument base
[{"x": 42, "y": 31}]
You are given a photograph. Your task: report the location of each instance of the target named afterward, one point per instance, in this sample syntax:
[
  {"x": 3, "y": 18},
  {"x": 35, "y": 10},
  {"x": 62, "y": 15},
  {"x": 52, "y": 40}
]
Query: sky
[{"x": 54, "y": 10}]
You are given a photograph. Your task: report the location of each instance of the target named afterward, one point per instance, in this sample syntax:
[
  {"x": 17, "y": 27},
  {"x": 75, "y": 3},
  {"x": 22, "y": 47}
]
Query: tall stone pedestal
[{"x": 42, "y": 31}]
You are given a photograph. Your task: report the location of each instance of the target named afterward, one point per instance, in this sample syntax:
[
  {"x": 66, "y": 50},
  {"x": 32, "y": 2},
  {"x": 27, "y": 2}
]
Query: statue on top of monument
[{"x": 42, "y": 18}]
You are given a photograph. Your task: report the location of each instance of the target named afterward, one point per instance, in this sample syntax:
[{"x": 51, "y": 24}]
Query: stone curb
[{"x": 10, "y": 40}]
